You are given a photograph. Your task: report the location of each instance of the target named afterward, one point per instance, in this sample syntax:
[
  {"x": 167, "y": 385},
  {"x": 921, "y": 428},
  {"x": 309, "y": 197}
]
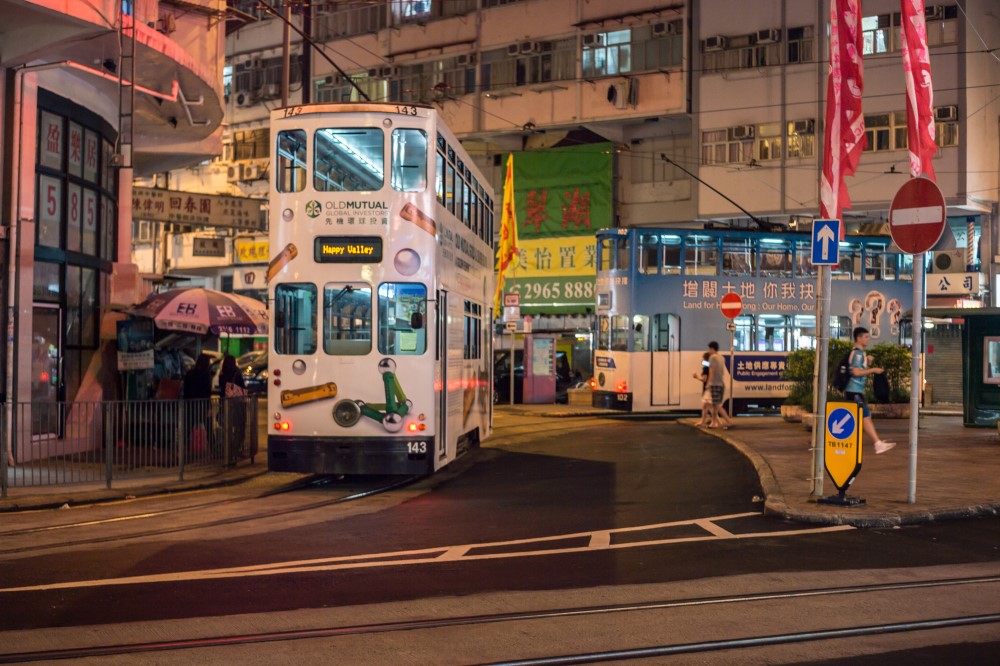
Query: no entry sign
[
  {"x": 917, "y": 216},
  {"x": 731, "y": 305}
]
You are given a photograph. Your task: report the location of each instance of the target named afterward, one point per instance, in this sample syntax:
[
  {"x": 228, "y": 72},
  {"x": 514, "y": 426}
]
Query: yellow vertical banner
[{"x": 507, "y": 253}]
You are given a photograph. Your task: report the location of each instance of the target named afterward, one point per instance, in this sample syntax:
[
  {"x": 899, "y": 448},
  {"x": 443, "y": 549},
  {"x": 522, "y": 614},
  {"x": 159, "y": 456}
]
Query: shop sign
[{"x": 210, "y": 210}]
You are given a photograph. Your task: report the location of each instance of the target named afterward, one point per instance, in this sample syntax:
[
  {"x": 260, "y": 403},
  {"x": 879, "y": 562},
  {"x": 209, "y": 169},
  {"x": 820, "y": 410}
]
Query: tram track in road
[
  {"x": 763, "y": 640},
  {"x": 394, "y": 484}
]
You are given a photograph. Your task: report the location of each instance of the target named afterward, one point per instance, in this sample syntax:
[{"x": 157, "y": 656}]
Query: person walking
[
  {"x": 197, "y": 392},
  {"x": 855, "y": 391},
  {"x": 717, "y": 386},
  {"x": 706, "y": 395},
  {"x": 233, "y": 394}
]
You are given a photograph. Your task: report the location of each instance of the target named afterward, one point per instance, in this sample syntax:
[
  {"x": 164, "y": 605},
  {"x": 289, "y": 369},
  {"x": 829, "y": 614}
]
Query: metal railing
[{"x": 45, "y": 444}]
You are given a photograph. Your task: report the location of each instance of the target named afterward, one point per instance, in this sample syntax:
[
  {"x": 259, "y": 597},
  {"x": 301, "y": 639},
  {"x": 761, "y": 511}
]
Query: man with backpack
[{"x": 851, "y": 378}]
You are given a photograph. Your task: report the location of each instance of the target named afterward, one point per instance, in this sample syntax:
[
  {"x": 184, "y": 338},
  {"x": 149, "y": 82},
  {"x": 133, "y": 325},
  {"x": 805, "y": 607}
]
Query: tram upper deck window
[
  {"x": 649, "y": 249},
  {"x": 849, "y": 267},
  {"x": 397, "y": 303},
  {"x": 439, "y": 178},
  {"x": 879, "y": 264},
  {"x": 409, "y": 160},
  {"x": 772, "y": 333},
  {"x": 739, "y": 257},
  {"x": 347, "y": 319},
  {"x": 743, "y": 335},
  {"x": 803, "y": 260},
  {"x": 701, "y": 256},
  {"x": 295, "y": 318},
  {"x": 670, "y": 259},
  {"x": 613, "y": 254},
  {"x": 621, "y": 331},
  {"x": 776, "y": 258},
  {"x": 290, "y": 176},
  {"x": 348, "y": 159}
]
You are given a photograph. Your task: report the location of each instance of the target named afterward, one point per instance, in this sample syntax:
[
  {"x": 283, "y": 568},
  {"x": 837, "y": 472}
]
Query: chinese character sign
[
  {"x": 208, "y": 210},
  {"x": 563, "y": 196}
]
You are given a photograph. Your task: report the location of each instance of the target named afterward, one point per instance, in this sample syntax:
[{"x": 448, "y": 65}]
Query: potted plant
[
  {"x": 895, "y": 360},
  {"x": 799, "y": 368}
]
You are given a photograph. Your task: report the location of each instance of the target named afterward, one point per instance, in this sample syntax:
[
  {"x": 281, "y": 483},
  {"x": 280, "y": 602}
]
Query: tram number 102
[{"x": 416, "y": 447}]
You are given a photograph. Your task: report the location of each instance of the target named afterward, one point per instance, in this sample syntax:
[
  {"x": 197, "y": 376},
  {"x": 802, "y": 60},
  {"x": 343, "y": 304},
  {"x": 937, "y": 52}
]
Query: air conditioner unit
[
  {"x": 513, "y": 49},
  {"x": 618, "y": 95},
  {"x": 659, "y": 29},
  {"x": 934, "y": 12},
  {"x": 372, "y": 73},
  {"x": 946, "y": 113},
  {"x": 767, "y": 36},
  {"x": 465, "y": 59},
  {"x": 244, "y": 98},
  {"x": 388, "y": 72},
  {"x": 244, "y": 66},
  {"x": 251, "y": 172},
  {"x": 741, "y": 132},
  {"x": 595, "y": 39},
  {"x": 270, "y": 91},
  {"x": 542, "y": 47},
  {"x": 255, "y": 62},
  {"x": 331, "y": 80},
  {"x": 527, "y": 47},
  {"x": 234, "y": 173},
  {"x": 804, "y": 126},
  {"x": 949, "y": 261},
  {"x": 716, "y": 43}
]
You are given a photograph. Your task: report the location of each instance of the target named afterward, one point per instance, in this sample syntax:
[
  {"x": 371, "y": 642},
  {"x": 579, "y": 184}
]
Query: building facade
[{"x": 93, "y": 94}]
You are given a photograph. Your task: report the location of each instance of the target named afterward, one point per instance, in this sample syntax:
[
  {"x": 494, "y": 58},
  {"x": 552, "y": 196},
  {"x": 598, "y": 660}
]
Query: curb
[
  {"x": 57, "y": 500},
  {"x": 775, "y": 504}
]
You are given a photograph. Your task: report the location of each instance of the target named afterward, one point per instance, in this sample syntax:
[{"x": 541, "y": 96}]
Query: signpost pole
[
  {"x": 917, "y": 335},
  {"x": 824, "y": 287},
  {"x": 732, "y": 370},
  {"x": 512, "y": 367}
]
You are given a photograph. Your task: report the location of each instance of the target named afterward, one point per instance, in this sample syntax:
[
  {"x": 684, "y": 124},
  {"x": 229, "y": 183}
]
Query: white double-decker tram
[{"x": 381, "y": 285}]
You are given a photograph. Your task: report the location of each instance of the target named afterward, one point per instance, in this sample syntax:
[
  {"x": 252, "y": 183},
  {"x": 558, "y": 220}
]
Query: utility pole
[{"x": 286, "y": 55}]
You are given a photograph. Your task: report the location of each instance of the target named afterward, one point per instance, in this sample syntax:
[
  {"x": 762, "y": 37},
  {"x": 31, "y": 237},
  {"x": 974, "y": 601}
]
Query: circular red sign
[
  {"x": 917, "y": 215},
  {"x": 731, "y": 305}
]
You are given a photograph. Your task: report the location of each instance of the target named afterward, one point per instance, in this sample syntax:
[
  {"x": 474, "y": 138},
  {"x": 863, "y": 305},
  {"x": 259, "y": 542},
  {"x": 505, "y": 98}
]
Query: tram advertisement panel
[{"x": 562, "y": 196}]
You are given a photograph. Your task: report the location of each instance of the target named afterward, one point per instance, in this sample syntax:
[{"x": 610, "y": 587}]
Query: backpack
[
  {"x": 842, "y": 374},
  {"x": 880, "y": 387}
]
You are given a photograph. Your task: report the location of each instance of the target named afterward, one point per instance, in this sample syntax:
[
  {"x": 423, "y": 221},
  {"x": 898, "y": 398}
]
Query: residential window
[
  {"x": 741, "y": 51},
  {"x": 348, "y": 159},
  {"x": 801, "y": 138},
  {"x": 333, "y": 20},
  {"x": 800, "y": 45},
  {"x": 251, "y": 145},
  {"x": 529, "y": 63},
  {"x": 398, "y": 302},
  {"x": 769, "y": 142},
  {"x": 648, "y": 167},
  {"x": 879, "y": 132},
  {"x": 608, "y": 53},
  {"x": 335, "y": 88},
  {"x": 472, "y": 329},
  {"x": 881, "y": 33},
  {"x": 295, "y": 309},
  {"x": 347, "y": 319}
]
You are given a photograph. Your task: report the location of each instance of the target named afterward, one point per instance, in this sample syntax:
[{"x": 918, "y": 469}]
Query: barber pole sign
[{"x": 731, "y": 305}]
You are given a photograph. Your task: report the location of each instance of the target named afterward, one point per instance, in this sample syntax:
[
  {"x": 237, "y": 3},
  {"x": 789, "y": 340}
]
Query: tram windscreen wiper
[{"x": 349, "y": 289}]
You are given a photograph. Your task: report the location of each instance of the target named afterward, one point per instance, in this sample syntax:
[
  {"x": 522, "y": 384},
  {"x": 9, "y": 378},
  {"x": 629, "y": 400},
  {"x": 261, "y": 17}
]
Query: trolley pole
[{"x": 917, "y": 348}]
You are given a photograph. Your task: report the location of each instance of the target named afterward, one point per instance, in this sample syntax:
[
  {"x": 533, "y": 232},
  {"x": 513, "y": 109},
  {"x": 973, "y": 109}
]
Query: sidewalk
[{"x": 958, "y": 472}]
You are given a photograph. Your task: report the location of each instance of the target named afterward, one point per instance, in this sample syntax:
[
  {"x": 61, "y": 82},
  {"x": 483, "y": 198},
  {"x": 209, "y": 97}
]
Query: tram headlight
[{"x": 287, "y": 215}]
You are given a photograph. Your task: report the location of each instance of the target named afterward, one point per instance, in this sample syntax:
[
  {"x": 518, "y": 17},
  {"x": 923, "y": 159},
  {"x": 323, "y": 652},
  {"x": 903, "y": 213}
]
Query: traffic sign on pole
[
  {"x": 731, "y": 305},
  {"x": 917, "y": 216},
  {"x": 826, "y": 242},
  {"x": 842, "y": 449}
]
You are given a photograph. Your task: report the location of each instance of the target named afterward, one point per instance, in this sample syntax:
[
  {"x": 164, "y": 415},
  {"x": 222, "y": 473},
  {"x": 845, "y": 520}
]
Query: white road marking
[{"x": 597, "y": 541}]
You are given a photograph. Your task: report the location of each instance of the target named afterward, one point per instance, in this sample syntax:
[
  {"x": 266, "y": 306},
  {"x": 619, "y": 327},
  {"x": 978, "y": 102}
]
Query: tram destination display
[{"x": 348, "y": 249}]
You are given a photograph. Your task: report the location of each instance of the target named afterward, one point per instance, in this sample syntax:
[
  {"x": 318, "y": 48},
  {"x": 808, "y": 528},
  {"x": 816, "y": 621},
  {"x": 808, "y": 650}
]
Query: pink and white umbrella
[{"x": 197, "y": 310}]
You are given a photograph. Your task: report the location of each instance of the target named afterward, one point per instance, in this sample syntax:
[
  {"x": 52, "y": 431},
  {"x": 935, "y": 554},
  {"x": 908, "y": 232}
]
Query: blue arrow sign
[
  {"x": 841, "y": 424},
  {"x": 826, "y": 242}
]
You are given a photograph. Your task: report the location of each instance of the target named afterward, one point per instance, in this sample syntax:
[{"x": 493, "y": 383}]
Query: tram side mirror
[{"x": 416, "y": 321}]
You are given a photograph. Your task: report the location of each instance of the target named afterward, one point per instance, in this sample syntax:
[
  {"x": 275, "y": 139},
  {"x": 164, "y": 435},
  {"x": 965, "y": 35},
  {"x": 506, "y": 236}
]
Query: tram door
[{"x": 666, "y": 371}]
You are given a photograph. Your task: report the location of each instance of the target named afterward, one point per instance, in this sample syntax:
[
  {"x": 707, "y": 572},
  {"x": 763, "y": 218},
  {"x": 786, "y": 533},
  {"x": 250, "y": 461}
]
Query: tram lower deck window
[
  {"x": 295, "y": 318},
  {"x": 347, "y": 319},
  {"x": 397, "y": 332}
]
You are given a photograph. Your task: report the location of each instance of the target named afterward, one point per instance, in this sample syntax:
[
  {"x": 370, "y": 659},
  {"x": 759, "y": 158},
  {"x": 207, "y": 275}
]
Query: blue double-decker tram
[{"x": 658, "y": 295}]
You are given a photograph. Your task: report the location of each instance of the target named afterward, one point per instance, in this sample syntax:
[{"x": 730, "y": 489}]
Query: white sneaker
[{"x": 883, "y": 446}]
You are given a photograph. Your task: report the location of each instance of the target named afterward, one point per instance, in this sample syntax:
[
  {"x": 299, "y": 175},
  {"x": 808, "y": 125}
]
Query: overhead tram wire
[{"x": 308, "y": 40}]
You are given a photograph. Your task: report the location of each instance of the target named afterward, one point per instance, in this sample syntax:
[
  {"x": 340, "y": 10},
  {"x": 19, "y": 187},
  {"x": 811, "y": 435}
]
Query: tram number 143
[{"x": 416, "y": 447}]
